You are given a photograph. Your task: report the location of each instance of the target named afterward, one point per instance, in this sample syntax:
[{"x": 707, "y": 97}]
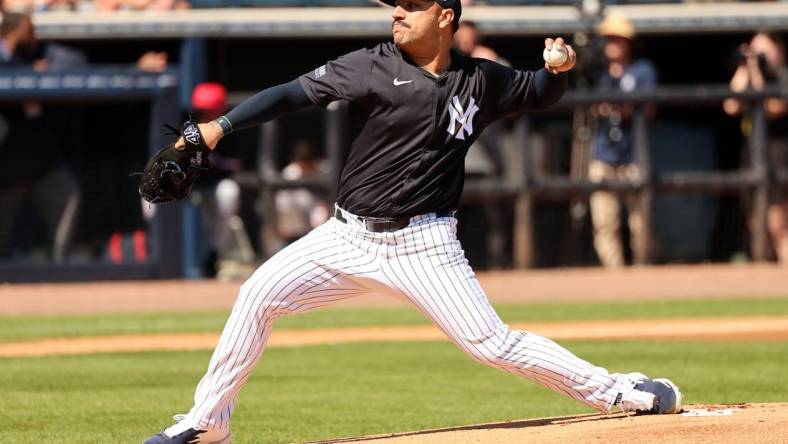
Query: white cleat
[
  {"x": 182, "y": 433},
  {"x": 657, "y": 396}
]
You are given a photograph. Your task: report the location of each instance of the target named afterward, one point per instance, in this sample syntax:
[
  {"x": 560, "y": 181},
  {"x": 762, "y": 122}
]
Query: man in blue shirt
[{"x": 612, "y": 144}]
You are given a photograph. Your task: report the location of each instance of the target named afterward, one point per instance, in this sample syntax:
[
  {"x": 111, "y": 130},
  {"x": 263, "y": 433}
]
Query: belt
[{"x": 383, "y": 224}]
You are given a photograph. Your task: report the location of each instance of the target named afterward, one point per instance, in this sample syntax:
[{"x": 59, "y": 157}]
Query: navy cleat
[
  {"x": 655, "y": 396},
  {"x": 181, "y": 434}
]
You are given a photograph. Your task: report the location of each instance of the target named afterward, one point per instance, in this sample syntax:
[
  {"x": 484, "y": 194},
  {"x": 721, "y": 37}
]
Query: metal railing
[{"x": 757, "y": 178}]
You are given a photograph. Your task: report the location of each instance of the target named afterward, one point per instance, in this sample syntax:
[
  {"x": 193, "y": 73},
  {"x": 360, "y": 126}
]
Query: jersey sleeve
[
  {"x": 514, "y": 91},
  {"x": 345, "y": 78}
]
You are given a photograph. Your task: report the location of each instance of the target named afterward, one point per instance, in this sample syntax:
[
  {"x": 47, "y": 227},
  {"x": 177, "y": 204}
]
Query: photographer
[{"x": 762, "y": 62}]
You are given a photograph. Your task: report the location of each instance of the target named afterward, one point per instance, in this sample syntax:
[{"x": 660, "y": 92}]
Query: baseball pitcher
[{"x": 415, "y": 108}]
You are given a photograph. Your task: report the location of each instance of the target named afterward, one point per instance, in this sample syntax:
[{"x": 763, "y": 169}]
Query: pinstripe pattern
[{"x": 423, "y": 262}]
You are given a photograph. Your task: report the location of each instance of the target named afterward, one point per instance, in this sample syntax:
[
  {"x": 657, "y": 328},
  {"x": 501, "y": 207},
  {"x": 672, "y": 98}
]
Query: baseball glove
[{"x": 170, "y": 174}]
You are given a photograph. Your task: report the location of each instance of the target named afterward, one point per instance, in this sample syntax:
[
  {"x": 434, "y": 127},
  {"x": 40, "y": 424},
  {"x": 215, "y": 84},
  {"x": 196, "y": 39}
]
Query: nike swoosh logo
[{"x": 397, "y": 82}]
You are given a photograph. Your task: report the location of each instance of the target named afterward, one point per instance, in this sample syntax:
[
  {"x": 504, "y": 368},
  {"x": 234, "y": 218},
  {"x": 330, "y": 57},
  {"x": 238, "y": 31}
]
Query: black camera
[{"x": 741, "y": 59}]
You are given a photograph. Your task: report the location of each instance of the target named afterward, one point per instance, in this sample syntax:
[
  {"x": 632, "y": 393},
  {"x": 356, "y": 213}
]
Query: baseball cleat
[
  {"x": 180, "y": 433},
  {"x": 657, "y": 396}
]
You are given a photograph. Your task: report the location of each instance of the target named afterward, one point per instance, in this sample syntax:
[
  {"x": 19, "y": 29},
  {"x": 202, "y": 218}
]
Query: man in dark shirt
[
  {"x": 415, "y": 108},
  {"x": 32, "y": 156},
  {"x": 763, "y": 62}
]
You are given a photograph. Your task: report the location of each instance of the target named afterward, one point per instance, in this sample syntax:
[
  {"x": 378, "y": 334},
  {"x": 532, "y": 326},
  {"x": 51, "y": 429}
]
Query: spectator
[
  {"x": 468, "y": 40},
  {"x": 18, "y": 43},
  {"x": 140, "y": 5},
  {"x": 31, "y": 6},
  {"x": 165, "y": 5},
  {"x": 612, "y": 150},
  {"x": 61, "y": 5},
  {"x": 763, "y": 62},
  {"x": 32, "y": 162},
  {"x": 299, "y": 210},
  {"x": 153, "y": 61}
]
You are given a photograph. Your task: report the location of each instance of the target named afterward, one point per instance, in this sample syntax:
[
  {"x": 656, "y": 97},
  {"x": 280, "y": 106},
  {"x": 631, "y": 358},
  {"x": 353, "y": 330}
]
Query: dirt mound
[{"x": 718, "y": 424}]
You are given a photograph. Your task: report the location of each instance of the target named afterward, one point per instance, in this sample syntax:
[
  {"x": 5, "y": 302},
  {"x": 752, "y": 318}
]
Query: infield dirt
[
  {"x": 727, "y": 329},
  {"x": 563, "y": 284}
]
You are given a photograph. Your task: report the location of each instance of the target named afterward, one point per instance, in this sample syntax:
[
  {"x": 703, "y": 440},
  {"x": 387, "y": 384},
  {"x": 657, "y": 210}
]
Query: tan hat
[{"x": 617, "y": 25}]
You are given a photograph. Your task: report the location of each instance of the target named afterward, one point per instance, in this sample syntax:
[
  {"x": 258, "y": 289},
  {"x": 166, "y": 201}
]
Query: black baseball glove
[{"x": 170, "y": 174}]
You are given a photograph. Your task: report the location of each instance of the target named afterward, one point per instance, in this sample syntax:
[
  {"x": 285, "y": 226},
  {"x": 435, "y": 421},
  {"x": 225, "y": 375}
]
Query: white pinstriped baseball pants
[{"x": 423, "y": 262}]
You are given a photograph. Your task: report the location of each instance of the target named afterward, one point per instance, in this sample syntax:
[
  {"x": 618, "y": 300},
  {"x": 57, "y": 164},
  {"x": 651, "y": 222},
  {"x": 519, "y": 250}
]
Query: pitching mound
[{"x": 718, "y": 424}]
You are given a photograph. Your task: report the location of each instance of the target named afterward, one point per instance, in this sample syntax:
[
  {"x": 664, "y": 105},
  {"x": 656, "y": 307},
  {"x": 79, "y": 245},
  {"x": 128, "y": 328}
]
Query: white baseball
[{"x": 556, "y": 56}]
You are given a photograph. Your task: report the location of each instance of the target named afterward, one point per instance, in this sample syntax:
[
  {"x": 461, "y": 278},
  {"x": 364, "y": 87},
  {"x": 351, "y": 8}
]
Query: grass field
[
  {"x": 318, "y": 392},
  {"x": 327, "y": 391}
]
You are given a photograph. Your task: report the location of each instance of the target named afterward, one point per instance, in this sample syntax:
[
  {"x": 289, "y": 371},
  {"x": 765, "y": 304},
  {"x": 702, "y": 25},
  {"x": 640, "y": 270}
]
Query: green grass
[
  {"x": 309, "y": 393},
  {"x": 34, "y": 327}
]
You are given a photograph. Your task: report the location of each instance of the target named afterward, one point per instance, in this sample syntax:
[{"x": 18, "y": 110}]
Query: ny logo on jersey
[{"x": 464, "y": 118}]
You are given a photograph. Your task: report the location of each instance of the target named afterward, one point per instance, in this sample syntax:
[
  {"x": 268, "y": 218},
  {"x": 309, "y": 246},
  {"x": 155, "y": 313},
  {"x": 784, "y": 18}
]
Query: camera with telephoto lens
[{"x": 741, "y": 55}]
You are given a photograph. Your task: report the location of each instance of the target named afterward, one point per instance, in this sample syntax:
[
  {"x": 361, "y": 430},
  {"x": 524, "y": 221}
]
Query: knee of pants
[{"x": 264, "y": 301}]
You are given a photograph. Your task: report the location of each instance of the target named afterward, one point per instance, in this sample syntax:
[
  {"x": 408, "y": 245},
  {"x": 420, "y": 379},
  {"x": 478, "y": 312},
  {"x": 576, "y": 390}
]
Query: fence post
[
  {"x": 267, "y": 170},
  {"x": 167, "y": 229},
  {"x": 758, "y": 164},
  {"x": 267, "y": 148},
  {"x": 644, "y": 246},
  {"x": 523, "y": 235}
]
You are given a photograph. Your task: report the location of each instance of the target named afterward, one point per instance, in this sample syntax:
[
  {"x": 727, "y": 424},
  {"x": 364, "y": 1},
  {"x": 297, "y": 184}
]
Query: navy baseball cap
[{"x": 454, "y": 5}]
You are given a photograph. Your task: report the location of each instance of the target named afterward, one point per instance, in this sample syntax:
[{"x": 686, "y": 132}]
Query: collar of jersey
[{"x": 457, "y": 61}]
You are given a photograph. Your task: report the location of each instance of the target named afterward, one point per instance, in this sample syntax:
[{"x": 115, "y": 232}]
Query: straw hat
[{"x": 617, "y": 25}]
